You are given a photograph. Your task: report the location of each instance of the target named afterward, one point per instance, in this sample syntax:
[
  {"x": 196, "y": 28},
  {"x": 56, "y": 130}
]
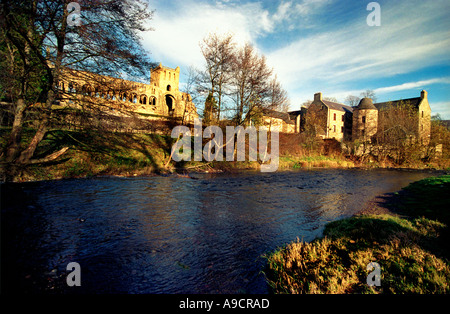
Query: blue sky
[{"x": 320, "y": 45}]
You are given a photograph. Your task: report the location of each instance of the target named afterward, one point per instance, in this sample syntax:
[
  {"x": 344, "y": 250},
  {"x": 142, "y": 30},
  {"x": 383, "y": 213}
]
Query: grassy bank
[
  {"x": 410, "y": 244},
  {"x": 93, "y": 153}
]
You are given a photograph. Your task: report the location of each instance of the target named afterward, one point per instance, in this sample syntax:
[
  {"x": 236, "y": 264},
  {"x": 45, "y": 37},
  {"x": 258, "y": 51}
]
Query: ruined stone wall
[{"x": 161, "y": 97}]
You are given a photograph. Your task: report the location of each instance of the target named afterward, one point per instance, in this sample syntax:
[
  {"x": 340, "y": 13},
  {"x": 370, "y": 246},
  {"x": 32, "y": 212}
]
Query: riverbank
[
  {"x": 94, "y": 153},
  {"x": 406, "y": 233}
]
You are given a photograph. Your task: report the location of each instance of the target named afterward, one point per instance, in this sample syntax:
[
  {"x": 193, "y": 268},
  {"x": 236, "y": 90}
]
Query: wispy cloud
[
  {"x": 346, "y": 56},
  {"x": 412, "y": 85},
  {"x": 325, "y": 51}
]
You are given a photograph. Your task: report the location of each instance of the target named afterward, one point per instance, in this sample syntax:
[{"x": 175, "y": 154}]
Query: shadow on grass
[{"x": 116, "y": 149}]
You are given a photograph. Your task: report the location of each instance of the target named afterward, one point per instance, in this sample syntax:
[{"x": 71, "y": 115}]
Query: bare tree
[
  {"x": 332, "y": 99},
  {"x": 369, "y": 93},
  {"x": 278, "y": 98},
  {"x": 398, "y": 132},
  {"x": 42, "y": 49},
  {"x": 251, "y": 83},
  {"x": 351, "y": 100},
  {"x": 219, "y": 52},
  {"x": 191, "y": 95}
]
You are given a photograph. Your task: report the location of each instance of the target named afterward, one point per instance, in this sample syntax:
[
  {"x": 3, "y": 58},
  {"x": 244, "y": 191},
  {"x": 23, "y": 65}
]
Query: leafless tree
[
  {"x": 352, "y": 101},
  {"x": 39, "y": 47},
  {"x": 369, "y": 93},
  {"x": 251, "y": 83},
  {"x": 278, "y": 97},
  {"x": 218, "y": 52},
  {"x": 397, "y": 133}
]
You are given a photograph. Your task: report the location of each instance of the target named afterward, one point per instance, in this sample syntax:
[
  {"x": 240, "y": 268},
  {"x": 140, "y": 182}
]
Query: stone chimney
[
  {"x": 318, "y": 96},
  {"x": 424, "y": 94}
]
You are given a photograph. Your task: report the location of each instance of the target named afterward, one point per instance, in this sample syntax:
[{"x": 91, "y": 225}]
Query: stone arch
[
  {"x": 143, "y": 99},
  {"x": 152, "y": 101},
  {"x": 72, "y": 88},
  {"x": 170, "y": 103},
  {"x": 87, "y": 90}
]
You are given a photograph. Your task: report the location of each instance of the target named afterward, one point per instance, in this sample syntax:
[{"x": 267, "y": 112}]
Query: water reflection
[{"x": 171, "y": 234}]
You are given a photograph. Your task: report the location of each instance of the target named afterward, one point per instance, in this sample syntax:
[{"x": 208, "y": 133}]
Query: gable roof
[
  {"x": 414, "y": 102},
  {"x": 294, "y": 114},
  {"x": 337, "y": 106},
  {"x": 277, "y": 115}
]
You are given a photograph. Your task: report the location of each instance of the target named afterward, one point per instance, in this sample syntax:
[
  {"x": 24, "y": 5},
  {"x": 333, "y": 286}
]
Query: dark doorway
[{"x": 170, "y": 104}]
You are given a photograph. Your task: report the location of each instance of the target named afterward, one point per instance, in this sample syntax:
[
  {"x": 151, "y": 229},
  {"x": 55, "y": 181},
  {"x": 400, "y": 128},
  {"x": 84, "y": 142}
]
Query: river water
[{"x": 169, "y": 234}]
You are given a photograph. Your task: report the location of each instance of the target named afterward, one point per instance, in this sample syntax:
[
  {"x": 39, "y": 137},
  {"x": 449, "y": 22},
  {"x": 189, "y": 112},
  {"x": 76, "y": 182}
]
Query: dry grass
[{"x": 412, "y": 252}]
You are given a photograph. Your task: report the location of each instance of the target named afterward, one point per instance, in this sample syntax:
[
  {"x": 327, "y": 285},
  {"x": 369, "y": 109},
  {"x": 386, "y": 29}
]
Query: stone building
[
  {"x": 159, "y": 100},
  {"x": 421, "y": 108},
  {"x": 337, "y": 121},
  {"x": 331, "y": 120},
  {"x": 365, "y": 120},
  {"x": 281, "y": 119}
]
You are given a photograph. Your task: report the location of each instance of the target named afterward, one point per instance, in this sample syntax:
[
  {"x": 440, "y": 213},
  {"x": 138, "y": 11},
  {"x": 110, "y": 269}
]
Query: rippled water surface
[{"x": 170, "y": 234}]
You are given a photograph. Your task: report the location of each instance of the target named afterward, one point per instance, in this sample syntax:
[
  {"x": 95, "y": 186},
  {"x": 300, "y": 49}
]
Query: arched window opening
[{"x": 169, "y": 88}]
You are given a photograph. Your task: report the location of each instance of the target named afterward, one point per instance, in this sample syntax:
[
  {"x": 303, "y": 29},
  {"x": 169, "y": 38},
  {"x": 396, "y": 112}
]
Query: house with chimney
[{"x": 332, "y": 120}]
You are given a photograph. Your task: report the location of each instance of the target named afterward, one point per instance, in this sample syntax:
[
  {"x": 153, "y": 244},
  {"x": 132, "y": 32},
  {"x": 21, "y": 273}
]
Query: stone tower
[
  {"x": 365, "y": 120},
  {"x": 165, "y": 78}
]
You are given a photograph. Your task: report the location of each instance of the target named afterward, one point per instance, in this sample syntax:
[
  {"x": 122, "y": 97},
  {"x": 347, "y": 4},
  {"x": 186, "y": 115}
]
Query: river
[{"x": 169, "y": 234}]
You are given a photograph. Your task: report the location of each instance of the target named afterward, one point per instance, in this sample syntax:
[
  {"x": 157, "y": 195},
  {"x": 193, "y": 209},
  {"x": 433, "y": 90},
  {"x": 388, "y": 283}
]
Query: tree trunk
[
  {"x": 13, "y": 147},
  {"x": 26, "y": 155}
]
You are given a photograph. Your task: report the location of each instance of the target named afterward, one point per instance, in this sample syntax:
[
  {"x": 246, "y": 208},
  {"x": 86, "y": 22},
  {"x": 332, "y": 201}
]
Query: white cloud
[
  {"x": 443, "y": 108},
  {"x": 335, "y": 61},
  {"x": 356, "y": 52},
  {"x": 177, "y": 34},
  {"x": 412, "y": 85}
]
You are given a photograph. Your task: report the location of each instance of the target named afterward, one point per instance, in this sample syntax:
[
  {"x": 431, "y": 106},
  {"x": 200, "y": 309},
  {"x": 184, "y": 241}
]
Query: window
[
  {"x": 334, "y": 127},
  {"x": 334, "y": 117},
  {"x": 342, "y": 129},
  {"x": 342, "y": 118},
  {"x": 169, "y": 88},
  {"x": 422, "y": 113},
  {"x": 363, "y": 119}
]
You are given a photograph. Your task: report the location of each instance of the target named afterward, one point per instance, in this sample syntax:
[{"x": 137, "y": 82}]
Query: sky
[{"x": 319, "y": 45}]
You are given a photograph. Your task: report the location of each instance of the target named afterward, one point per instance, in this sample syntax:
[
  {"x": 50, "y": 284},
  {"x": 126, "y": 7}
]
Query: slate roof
[
  {"x": 294, "y": 114},
  {"x": 277, "y": 115},
  {"x": 366, "y": 103},
  {"x": 337, "y": 106},
  {"x": 415, "y": 102}
]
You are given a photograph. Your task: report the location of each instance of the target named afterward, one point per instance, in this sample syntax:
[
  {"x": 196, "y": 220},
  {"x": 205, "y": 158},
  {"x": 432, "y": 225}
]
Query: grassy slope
[
  {"x": 95, "y": 153},
  {"x": 410, "y": 245}
]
